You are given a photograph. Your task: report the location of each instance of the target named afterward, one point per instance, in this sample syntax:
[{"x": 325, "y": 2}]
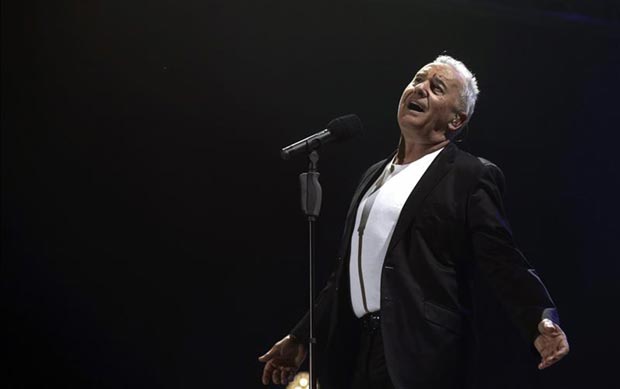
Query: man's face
[{"x": 432, "y": 100}]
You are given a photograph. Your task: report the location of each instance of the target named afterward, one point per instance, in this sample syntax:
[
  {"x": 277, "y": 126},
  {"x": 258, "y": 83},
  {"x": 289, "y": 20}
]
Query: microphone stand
[{"x": 311, "y": 195}]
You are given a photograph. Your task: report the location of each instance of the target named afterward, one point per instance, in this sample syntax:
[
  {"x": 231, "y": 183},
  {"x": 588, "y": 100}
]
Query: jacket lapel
[
  {"x": 371, "y": 176},
  {"x": 435, "y": 172}
]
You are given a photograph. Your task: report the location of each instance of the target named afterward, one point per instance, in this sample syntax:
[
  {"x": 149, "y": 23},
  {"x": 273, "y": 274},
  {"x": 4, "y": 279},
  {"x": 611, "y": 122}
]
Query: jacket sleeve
[
  {"x": 516, "y": 284},
  {"x": 322, "y": 308}
]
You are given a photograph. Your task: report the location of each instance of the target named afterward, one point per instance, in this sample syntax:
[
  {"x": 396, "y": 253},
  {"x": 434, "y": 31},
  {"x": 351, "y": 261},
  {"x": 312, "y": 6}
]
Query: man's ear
[{"x": 457, "y": 122}]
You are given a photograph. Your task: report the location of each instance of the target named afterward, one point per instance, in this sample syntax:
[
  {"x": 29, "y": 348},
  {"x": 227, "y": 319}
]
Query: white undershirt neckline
[{"x": 377, "y": 215}]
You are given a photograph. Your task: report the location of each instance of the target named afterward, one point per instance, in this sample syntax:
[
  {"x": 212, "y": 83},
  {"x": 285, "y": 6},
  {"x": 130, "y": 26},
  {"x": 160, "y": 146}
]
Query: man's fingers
[
  {"x": 267, "y": 372},
  {"x": 545, "y": 350},
  {"x": 560, "y": 352},
  {"x": 550, "y": 356},
  {"x": 284, "y": 376},
  {"x": 563, "y": 350},
  {"x": 546, "y": 326},
  {"x": 549, "y": 361},
  {"x": 546, "y": 362},
  {"x": 541, "y": 326},
  {"x": 538, "y": 344},
  {"x": 275, "y": 377}
]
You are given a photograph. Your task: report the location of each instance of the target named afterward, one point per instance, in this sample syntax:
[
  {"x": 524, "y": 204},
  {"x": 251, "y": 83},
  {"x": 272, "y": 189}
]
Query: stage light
[{"x": 301, "y": 381}]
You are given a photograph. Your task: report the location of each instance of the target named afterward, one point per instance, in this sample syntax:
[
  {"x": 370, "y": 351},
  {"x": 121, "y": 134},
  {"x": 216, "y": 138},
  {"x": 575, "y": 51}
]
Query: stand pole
[
  {"x": 312, "y": 341},
  {"x": 311, "y": 195}
]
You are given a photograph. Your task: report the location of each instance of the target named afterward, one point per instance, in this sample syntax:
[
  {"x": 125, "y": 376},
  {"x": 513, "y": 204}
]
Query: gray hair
[{"x": 470, "y": 92}]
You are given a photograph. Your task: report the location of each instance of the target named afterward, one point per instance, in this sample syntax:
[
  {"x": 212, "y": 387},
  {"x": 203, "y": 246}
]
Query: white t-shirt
[{"x": 377, "y": 214}]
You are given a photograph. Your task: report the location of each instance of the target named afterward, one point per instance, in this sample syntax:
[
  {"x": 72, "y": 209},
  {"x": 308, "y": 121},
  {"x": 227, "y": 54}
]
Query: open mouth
[{"x": 414, "y": 107}]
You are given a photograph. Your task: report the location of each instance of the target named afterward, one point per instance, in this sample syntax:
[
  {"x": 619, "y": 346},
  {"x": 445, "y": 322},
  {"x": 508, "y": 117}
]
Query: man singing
[{"x": 425, "y": 229}]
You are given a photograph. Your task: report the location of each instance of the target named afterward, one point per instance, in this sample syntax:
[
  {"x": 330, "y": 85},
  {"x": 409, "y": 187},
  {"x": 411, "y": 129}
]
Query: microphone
[{"x": 339, "y": 129}]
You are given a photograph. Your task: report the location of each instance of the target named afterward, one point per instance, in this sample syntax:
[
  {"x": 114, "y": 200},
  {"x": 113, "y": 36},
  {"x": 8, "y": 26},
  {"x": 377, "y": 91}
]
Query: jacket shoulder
[
  {"x": 479, "y": 168},
  {"x": 474, "y": 163}
]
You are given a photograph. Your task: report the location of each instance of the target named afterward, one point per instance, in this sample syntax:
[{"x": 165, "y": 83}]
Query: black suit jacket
[{"x": 451, "y": 237}]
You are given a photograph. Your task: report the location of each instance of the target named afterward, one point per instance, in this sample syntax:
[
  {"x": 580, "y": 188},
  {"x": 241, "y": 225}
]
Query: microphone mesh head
[{"x": 345, "y": 127}]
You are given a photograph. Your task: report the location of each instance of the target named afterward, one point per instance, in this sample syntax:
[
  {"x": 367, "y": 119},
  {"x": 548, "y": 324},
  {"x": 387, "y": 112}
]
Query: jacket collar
[{"x": 433, "y": 175}]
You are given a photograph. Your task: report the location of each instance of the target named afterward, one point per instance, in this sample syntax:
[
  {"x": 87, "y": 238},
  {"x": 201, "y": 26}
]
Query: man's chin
[{"x": 410, "y": 122}]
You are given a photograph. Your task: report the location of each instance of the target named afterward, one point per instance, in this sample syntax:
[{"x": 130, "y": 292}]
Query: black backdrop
[{"x": 152, "y": 237}]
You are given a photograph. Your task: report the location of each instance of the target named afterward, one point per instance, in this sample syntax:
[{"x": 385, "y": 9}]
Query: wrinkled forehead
[{"x": 442, "y": 71}]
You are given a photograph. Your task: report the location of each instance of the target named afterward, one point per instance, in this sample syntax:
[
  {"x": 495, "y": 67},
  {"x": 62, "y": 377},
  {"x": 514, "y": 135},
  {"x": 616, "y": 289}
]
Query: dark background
[{"x": 152, "y": 237}]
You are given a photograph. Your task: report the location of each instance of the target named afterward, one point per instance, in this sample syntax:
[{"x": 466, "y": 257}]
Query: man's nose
[{"x": 420, "y": 89}]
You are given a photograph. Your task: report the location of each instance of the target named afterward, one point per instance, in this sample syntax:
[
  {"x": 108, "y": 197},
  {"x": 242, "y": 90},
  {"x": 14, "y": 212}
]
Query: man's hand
[
  {"x": 283, "y": 360},
  {"x": 551, "y": 343}
]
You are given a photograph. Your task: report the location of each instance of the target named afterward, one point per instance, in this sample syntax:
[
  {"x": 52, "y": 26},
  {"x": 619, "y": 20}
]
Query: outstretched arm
[{"x": 514, "y": 281}]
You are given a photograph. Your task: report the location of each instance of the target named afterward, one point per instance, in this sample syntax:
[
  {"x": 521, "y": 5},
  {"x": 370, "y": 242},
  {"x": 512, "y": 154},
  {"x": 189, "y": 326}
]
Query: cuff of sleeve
[
  {"x": 551, "y": 314},
  {"x": 302, "y": 329}
]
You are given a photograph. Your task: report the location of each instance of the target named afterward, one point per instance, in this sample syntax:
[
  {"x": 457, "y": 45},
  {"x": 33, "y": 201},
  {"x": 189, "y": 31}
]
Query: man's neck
[{"x": 412, "y": 150}]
